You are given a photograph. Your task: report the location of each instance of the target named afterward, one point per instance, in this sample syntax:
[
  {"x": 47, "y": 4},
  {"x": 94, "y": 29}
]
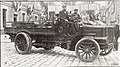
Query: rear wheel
[
  {"x": 87, "y": 50},
  {"x": 23, "y": 43}
]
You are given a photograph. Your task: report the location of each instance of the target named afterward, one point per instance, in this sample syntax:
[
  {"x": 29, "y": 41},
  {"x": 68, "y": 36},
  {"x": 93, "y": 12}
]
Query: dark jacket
[
  {"x": 63, "y": 15},
  {"x": 75, "y": 17}
]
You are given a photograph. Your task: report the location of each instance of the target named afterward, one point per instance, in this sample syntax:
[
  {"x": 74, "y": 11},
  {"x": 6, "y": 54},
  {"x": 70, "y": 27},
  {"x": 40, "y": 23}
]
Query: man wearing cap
[
  {"x": 76, "y": 18},
  {"x": 75, "y": 15}
]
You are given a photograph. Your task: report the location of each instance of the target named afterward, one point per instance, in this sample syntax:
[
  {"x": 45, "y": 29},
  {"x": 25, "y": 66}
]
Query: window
[
  {"x": 15, "y": 17},
  {"x": 4, "y": 17},
  {"x": 23, "y": 16}
]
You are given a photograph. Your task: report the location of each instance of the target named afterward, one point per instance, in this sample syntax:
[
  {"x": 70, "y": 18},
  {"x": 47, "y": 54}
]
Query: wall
[
  {"x": 113, "y": 12},
  {"x": 10, "y": 11},
  {"x": 118, "y": 11}
]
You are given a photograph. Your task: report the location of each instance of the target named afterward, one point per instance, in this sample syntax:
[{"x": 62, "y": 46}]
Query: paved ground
[{"x": 57, "y": 57}]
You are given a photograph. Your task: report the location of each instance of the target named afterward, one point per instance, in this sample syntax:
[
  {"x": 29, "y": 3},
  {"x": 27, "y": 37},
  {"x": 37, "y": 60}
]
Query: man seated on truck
[
  {"x": 75, "y": 17},
  {"x": 64, "y": 14},
  {"x": 64, "y": 18}
]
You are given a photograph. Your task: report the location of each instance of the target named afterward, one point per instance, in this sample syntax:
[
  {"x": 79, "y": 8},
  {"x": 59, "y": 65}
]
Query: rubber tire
[
  {"x": 29, "y": 43},
  {"x": 97, "y": 46}
]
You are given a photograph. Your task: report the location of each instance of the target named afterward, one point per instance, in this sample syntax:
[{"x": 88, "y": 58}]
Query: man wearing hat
[
  {"x": 64, "y": 14},
  {"x": 64, "y": 18}
]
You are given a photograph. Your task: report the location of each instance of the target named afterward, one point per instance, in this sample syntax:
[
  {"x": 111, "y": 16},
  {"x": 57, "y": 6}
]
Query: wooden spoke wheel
[
  {"x": 23, "y": 43},
  {"x": 105, "y": 51},
  {"x": 87, "y": 50}
]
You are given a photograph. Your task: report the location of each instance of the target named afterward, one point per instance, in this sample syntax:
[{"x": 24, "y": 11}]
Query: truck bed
[{"x": 30, "y": 28}]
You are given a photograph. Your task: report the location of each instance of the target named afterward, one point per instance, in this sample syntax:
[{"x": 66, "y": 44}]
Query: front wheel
[
  {"x": 23, "y": 43},
  {"x": 87, "y": 50}
]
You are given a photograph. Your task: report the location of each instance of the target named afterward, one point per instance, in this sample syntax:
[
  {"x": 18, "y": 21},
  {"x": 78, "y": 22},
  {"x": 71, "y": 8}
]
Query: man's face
[
  {"x": 64, "y": 8},
  {"x": 75, "y": 12}
]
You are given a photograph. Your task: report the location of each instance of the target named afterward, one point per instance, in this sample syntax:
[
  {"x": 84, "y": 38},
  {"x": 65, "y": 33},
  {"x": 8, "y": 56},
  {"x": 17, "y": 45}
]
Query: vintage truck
[{"x": 88, "y": 41}]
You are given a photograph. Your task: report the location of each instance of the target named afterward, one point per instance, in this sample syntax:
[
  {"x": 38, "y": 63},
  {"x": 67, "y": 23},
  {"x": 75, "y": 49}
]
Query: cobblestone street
[{"x": 52, "y": 58}]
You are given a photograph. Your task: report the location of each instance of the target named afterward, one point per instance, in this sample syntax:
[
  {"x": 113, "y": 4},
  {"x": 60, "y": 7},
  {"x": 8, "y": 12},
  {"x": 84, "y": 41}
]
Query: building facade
[
  {"x": 20, "y": 11},
  {"x": 113, "y": 12}
]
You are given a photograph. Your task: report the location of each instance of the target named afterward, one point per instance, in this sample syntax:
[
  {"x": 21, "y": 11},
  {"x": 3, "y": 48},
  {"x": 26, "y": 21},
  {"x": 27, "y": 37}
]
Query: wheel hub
[{"x": 87, "y": 50}]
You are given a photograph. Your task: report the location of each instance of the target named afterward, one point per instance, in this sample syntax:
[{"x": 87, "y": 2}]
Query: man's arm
[
  {"x": 79, "y": 16},
  {"x": 60, "y": 14}
]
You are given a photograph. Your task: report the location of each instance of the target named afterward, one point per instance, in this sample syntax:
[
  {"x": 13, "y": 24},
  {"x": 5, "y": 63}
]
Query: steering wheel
[{"x": 60, "y": 29}]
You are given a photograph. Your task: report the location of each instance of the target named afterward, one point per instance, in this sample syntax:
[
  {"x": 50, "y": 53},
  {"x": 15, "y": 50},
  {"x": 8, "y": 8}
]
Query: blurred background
[{"x": 107, "y": 11}]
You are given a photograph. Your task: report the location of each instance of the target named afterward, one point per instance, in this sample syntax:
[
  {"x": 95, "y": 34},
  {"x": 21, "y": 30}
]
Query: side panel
[
  {"x": 97, "y": 31},
  {"x": 110, "y": 34}
]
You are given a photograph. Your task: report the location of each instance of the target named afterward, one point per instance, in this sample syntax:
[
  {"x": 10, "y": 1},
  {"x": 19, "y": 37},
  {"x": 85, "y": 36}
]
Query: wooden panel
[
  {"x": 99, "y": 32},
  {"x": 110, "y": 34}
]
